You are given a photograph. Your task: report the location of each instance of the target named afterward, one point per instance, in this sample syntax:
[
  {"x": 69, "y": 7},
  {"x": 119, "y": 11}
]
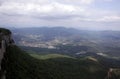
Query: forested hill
[{"x": 18, "y": 64}]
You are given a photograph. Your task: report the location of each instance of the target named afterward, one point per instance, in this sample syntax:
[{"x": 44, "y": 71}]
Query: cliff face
[{"x": 5, "y": 41}]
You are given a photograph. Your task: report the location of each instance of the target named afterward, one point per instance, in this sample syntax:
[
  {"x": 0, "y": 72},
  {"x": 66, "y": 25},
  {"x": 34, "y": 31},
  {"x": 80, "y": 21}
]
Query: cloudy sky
[{"x": 82, "y": 14}]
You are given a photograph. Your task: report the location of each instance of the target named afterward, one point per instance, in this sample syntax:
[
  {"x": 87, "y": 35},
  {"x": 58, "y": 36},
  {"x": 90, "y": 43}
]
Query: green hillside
[
  {"x": 5, "y": 31},
  {"x": 50, "y": 56},
  {"x": 20, "y": 65}
]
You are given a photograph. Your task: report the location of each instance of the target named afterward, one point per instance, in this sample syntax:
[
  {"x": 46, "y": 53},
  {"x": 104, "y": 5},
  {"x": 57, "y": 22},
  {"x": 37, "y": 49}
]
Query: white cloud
[
  {"x": 112, "y": 18},
  {"x": 14, "y": 8},
  {"x": 87, "y": 1},
  {"x": 45, "y": 7},
  {"x": 57, "y": 12}
]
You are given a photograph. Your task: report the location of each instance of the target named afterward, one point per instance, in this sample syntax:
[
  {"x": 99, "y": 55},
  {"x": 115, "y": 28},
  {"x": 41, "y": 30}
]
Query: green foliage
[
  {"x": 117, "y": 73},
  {"x": 5, "y": 31},
  {"x": 50, "y": 56},
  {"x": 20, "y": 65}
]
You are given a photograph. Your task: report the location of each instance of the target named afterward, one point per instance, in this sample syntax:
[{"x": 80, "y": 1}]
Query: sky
[{"x": 80, "y": 14}]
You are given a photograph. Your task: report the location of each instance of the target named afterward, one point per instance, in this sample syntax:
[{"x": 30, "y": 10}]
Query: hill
[{"x": 22, "y": 66}]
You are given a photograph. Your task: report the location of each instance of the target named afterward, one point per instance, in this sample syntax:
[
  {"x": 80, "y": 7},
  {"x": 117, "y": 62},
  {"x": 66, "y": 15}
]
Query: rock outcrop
[{"x": 5, "y": 41}]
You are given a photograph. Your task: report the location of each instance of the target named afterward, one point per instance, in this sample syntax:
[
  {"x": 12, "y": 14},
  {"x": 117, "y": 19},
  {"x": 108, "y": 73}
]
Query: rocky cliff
[{"x": 5, "y": 41}]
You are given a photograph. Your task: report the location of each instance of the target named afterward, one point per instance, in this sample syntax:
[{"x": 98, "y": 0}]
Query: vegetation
[
  {"x": 116, "y": 72},
  {"x": 50, "y": 56},
  {"x": 22, "y": 66},
  {"x": 5, "y": 31}
]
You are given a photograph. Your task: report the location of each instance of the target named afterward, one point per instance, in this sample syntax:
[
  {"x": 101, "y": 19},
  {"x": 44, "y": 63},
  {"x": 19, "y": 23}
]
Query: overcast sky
[{"x": 84, "y": 14}]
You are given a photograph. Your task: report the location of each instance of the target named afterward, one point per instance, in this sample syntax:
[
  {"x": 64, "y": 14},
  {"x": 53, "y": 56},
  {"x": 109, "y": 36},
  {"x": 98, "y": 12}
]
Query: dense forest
[{"x": 22, "y": 66}]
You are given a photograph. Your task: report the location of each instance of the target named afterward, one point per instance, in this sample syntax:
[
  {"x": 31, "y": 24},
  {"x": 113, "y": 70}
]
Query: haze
[{"x": 81, "y": 14}]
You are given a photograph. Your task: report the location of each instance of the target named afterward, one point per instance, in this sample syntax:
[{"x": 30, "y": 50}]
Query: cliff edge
[{"x": 5, "y": 41}]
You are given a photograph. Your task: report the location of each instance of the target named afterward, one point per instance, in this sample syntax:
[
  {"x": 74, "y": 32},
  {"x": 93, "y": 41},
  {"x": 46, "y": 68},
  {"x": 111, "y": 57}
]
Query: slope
[{"x": 22, "y": 66}]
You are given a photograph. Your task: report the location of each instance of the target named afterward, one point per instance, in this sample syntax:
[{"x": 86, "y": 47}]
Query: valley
[
  {"x": 68, "y": 41},
  {"x": 65, "y": 61}
]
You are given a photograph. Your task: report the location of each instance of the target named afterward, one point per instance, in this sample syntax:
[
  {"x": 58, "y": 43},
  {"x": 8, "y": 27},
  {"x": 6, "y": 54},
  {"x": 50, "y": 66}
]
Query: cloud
[
  {"x": 87, "y": 1},
  {"x": 40, "y": 10},
  {"x": 112, "y": 18},
  {"x": 45, "y": 8},
  {"x": 58, "y": 12},
  {"x": 107, "y": 19}
]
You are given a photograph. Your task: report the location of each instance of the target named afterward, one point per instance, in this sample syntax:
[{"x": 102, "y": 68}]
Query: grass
[{"x": 50, "y": 56}]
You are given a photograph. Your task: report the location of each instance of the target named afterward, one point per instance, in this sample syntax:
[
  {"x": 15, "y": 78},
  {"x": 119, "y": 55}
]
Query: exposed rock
[{"x": 5, "y": 40}]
